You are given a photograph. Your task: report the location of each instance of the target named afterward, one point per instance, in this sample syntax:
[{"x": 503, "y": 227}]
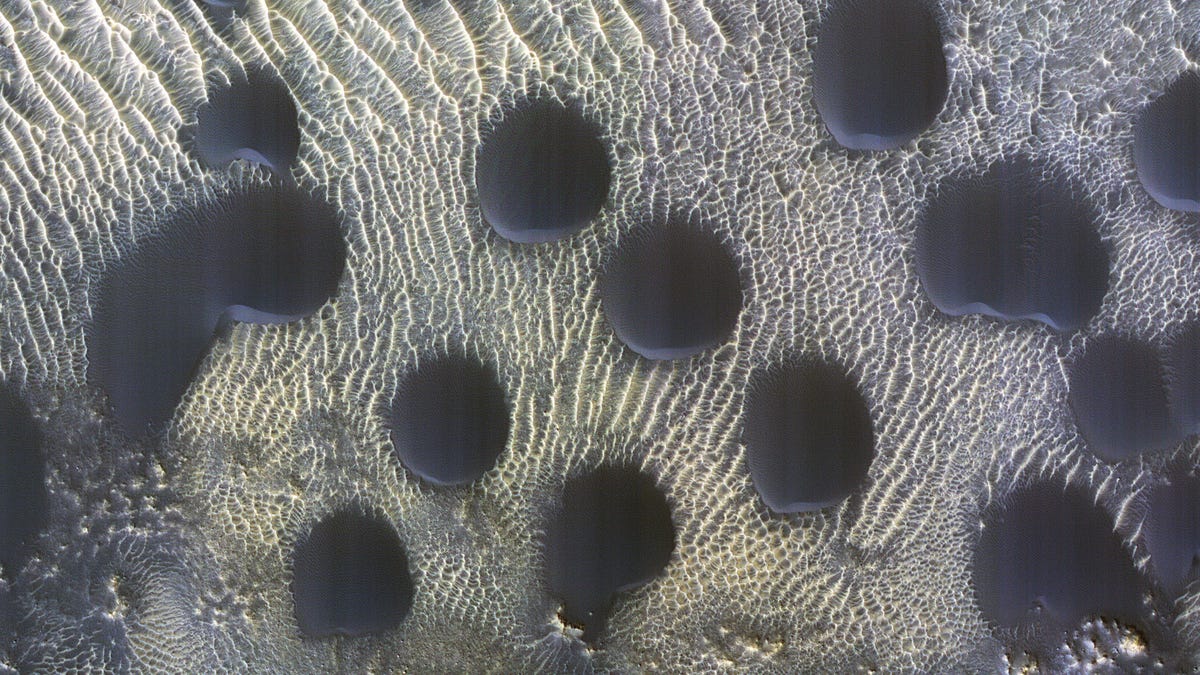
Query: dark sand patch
[
  {"x": 1172, "y": 533},
  {"x": 350, "y": 577},
  {"x": 252, "y": 118},
  {"x": 1052, "y": 557},
  {"x": 542, "y": 173},
  {"x": 671, "y": 291},
  {"x": 879, "y": 72},
  {"x": 450, "y": 420},
  {"x": 267, "y": 255},
  {"x": 24, "y": 500},
  {"x": 1119, "y": 398},
  {"x": 612, "y": 533},
  {"x": 1166, "y": 145},
  {"x": 1013, "y": 243},
  {"x": 808, "y": 435}
]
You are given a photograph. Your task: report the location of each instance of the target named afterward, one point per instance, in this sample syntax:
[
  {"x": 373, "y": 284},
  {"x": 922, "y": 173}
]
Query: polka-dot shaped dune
[
  {"x": 808, "y": 435},
  {"x": 612, "y": 532},
  {"x": 1172, "y": 533},
  {"x": 350, "y": 577},
  {"x": 879, "y": 71},
  {"x": 251, "y": 117},
  {"x": 1167, "y": 145},
  {"x": 1181, "y": 362},
  {"x": 266, "y": 255},
  {"x": 1014, "y": 242},
  {"x": 1050, "y": 555},
  {"x": 1130, "y": 396},
  {"x": 614, "y": 346},
  {"x": 1120, "y": 399},
  {"x": 450, "y": 420},
  {"x": 24, "y": 503},
  {"x": 671, "y": 291},
  {"x": 542, "y": 173}
]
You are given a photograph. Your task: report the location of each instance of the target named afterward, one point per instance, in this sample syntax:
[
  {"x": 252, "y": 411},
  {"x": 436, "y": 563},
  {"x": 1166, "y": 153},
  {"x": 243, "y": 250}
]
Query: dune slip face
[
  {"x": 588, "y": 336},
  {"x": 1014, "y": 242},
  {"x": 350, "y": 577},
  {"x": 613, "y": 532},
  {"x": 268, "y": 255}
]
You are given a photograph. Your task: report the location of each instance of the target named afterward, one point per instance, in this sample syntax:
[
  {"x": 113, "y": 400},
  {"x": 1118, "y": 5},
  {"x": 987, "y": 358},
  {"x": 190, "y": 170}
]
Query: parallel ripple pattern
[{"x": 970, "y": 157}]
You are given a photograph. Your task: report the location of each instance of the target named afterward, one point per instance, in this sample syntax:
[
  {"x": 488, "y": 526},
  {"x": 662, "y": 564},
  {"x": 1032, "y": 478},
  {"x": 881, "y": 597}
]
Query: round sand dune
[{"x": 234, "y": 235}]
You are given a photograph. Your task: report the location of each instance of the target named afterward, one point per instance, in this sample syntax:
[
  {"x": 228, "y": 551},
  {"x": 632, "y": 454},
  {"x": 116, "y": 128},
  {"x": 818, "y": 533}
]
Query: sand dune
[{"x": 233, "y": 236}]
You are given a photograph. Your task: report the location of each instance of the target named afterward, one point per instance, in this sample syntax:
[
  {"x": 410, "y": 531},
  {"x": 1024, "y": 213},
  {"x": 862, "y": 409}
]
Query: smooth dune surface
[
  {"x": 613, "y": 532},
  {"x": 1049, "y": 555},
  {"x": 24, "y": 504},
  {"x": 350, "y": 577},
  {"x": 879, "y": 71},
  {"x": 450, "y": 420},
  {"x": 1119, "y": 397},
  {"x": 542, "y": 173},
  {"x": 1166, "y": 146},
  {"x": 1172, "y": 532},
  {"x": 250, "y": 117},
  {"x": 1132, "y": 395},
  {"x": 808, "y": 434},
  {"x": 268, "y": 255},
  {"x": 1013, "y": 242},
  {"x": 671, "y": 290}
]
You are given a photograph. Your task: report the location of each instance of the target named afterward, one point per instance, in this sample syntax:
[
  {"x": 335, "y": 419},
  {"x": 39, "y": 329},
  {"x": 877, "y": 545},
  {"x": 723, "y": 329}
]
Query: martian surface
[{"x": 599, "y": 336}]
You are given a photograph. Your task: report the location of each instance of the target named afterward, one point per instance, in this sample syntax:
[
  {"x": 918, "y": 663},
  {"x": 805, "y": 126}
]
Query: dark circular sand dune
[
  {"x": 542, "y": 173},
  {"x": 1050, "y": 555},
  {"x": 612, "y": 532},
  {"x": 1015, "y": 242},
  {"x": 450, "y": 420},
  {"x": 879, "y": 72},
  {"x": 671, "y": 291},
  {"x": 350, "y": 577},
  {"x": 808, "y": 435},
  {"x": 266, "y": 255},
  {"x": 252, "y": 117},
  {"x": 1166, "y": 146}
]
